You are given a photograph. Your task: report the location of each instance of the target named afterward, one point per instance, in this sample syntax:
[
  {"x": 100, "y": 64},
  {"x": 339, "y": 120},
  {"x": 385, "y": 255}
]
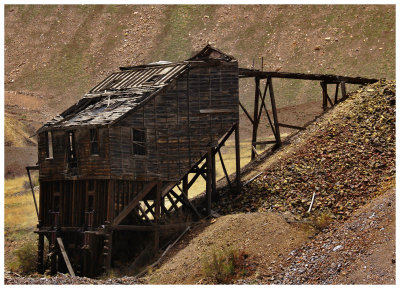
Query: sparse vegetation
[
  {"x": 224, "y": 264},
  {"x": 323, "y": 220},
  {"x": 26, "y": 257}
]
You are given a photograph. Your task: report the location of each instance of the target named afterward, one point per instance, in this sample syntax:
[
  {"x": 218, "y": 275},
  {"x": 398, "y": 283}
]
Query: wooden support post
[
  {"x": 224, "y": 169},
  {"x": 40, "y": 267},
  {"x": 185, "y": 185},
  {"x": 343, "y": 88},
  {"x": 324, "y": 95},
  {"x": 237, "y": 151},
  {"x": 33, "y": 192},
  {"x": 336, "y": 93},
  {"x": 255, "y": 116},
  {"x": 157, "y": 216},
  {"x": 209, "y": 181},
  {"x": 213, "y": 176},
  {"x": 274, "y": 113},
  {"x": 53, "y": 258},
  {"x": 111, "y": 201}
]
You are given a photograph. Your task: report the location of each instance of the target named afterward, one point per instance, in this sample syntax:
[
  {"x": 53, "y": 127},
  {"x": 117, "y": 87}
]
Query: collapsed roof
[{"x": 125, "y": 90}]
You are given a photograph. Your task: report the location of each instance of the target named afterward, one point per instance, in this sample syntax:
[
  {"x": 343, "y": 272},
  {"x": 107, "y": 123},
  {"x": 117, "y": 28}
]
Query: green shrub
[
  {"x": 224, "y": 264},
  {"x": 322, "y": 221},
  {"x": 26, "y": 257}
]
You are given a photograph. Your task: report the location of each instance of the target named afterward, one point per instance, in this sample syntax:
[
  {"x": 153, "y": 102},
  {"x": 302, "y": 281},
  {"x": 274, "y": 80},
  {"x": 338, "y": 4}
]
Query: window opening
[
  {"x": 49, "y": 147},
  {"x": 138, "y": 141},
  {"x": 72, "y": 161},
  {"x": 94, "y": 141}
]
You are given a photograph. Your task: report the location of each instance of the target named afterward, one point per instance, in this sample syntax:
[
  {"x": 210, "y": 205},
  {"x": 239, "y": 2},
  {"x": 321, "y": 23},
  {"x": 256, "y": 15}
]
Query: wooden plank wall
[
  {"x": 89, "y": 166},
  {"x": 73, "y": 196},
  {"x": 177, "y": 133}
]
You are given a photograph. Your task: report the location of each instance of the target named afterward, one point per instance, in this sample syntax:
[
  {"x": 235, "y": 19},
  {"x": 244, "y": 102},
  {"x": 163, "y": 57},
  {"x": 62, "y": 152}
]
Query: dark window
[
  {"x": 94, "y": 141},
  {"x": 49, "y": 145},
  {"x": 138, "y": 141},
  {"x": 71, "y": 153}
]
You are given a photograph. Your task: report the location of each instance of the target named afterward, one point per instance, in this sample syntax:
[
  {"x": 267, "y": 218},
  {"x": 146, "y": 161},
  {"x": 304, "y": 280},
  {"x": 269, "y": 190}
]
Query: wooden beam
[
  {"x": 40, "y": 264},
  {"x": 209, "y": 182},
  {"x": 274, "y": 113},
  {"x": 157, "y": 217},
  {"x": 246, "y": 112},
  {"x": 264, "y": 142},
  {"x": 132, "y": 204},
  {"x": 291, "y": 126},
  {"x": 213, "y": 176},
  {"x": 225, "y": 172},
  {"x": 65, "y": 256},
  {"x": 184, "y": 200},
  {"x": 343, "y": 89},
  {"x": 33, "y": 191},
  {"x": 244, "y": 72},
  {"x": 336, "y": 93},
  {"x": 237, "y": 151},
  {"x": 255, "y": 117}
]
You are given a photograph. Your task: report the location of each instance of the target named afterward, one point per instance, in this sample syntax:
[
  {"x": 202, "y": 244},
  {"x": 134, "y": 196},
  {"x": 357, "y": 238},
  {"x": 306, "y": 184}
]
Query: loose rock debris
[{"x": 343, "y": 162}]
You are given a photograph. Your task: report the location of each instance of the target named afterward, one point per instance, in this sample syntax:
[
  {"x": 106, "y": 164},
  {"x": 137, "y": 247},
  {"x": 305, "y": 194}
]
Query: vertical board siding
[{"x": 177, "y": 133}]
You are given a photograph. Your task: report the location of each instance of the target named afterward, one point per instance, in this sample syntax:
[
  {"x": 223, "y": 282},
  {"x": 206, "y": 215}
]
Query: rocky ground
[
  {"x": 64, "y": 279},
  {"x": 343, "y": 158}
]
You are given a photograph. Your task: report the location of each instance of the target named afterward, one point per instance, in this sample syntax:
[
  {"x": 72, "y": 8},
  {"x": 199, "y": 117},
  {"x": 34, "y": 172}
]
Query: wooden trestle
[{"x": 325, "y": 79}]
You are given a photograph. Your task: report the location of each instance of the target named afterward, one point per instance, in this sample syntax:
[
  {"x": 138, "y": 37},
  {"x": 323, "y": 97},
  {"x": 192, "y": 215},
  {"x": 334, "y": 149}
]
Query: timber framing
[{"x": 260, "y": 100}]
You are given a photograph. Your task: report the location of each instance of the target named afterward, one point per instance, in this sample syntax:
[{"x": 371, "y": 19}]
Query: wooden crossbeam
[
  {"x": 149, "y": 207},
  {"x": 264, "y": 142},
  {"x": 184, "y": 200},
  {"x": 225, "y": 172},
  {"x": 144, "y": 214},
  {"x": 244, "y": 72},
  {"x": 132, "y": 204},
  {"x": 246, "y": 113},
  {"x": 173, "y": 203}
]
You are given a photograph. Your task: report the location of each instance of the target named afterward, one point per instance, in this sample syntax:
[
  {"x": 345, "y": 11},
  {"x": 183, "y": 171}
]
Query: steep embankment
[{"x": 347, "y": 159}]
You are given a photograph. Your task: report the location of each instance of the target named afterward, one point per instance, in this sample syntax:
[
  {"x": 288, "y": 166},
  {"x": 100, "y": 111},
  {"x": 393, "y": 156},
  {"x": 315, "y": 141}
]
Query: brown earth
[{"x": 257, "y": 234}]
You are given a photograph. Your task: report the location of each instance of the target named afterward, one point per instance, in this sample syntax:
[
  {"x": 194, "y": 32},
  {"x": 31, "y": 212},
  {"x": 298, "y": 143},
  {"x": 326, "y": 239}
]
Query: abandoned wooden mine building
[{"x": 114, "y": 167}]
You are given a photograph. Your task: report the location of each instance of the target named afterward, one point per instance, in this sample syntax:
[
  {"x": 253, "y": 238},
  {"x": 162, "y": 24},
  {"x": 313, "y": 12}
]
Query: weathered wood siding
[
  {"x": 177, "y": 133},
  {"x": 89, "y": 166}
]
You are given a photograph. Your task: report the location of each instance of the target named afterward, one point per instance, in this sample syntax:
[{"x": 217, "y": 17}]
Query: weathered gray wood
[{"x": 65, "y": 256}]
